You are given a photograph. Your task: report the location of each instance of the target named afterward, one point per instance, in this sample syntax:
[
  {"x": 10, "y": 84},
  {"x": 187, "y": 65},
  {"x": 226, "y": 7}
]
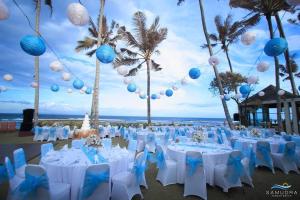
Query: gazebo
[{"x": 261, "y": 110}]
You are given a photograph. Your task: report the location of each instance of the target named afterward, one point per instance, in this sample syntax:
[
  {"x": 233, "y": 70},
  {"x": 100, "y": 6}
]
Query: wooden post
[
  {"x": 295, "y": 118},
  {"x": 287, "y": 116}
]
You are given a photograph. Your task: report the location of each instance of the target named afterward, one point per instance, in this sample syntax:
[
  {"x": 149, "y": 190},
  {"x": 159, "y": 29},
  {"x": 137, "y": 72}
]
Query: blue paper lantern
[
  {"x": 276, "y": 46},
  {"x": 194, "y": 73},
  {"x": 153, "y": 96},
  {"x": 33, "y": 45},
  {"x": 88, "y": 90},
  {"x": 78, "y": 84},
  {"x": 245, "y": 89},
  {"x": 245, "y": 95},
  {"x": 227, "y": 97},
  {"x": 169, "y": 92},
  {"x": 299, "y": 88},
  {"x": 106, "y": 54},
  {"x": 54, "y": 88},
  {"x": 142, "y": 96},
  {"x": 131, "y": 87}
]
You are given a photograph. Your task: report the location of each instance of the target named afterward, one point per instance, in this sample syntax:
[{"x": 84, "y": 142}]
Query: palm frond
[
  {"x": 128, "y": 38},
  {"x": 139, "y": 21},
  {"x": 213, "y": 37},
  {"x": 91, "y": 53},
  {"x": 155, "y": 25},
  {"x": 120, "y": 60},
  {"x": 155, "y": 66},
  {"x": 180, "y": 2},
  {"x": 85, "y": 44},
  {"x": 93, "y": 29},
  {"x": 128, "y": 52},
  {"x": 49, "y": 3}
]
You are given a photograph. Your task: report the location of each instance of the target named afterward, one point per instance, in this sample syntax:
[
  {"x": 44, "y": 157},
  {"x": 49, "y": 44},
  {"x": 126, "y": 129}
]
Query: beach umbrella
[
  {"x": 262, "y": 66},
  {"x": 213, "y": 60},
  {"x": 8, "y": 77},
  {"x": 153, "y": 96},
  {"x": 252, "y": 79},
  {"x": 245, "y": 89},
  {"x": 293, "y": 2},
  {"x": 33, "y": 45},
  {"x": 78, "y": 84},
  {"x": 276, "y": 46},
  {"x": 56, "y": 66},
  {"x": 169, "y": 92},
  {"x": 261, "y": 93},
  {"x": 131, "y": 87},
  {"x": 69, "y": 90},
  {"x": 78, "y": 14},
  {"x": 88, "y": 90},
  {"x": 34, "y": 84},
  {"x": 281, "y": 92},
  {"x": 184, "y": 81},
  {"x": 122, "y": 70},
  {"x": 4, "y": 12},
  {"x": 66, "y": 76},
  {"x": 105, "y": 53},
  {"x": 127, "y": 80},
  {"x": 248, "y": 38},
  {"x": 194, "y": 73},
  {"x": 227, "y": 97},
  {"x": 54, "y": 88}
]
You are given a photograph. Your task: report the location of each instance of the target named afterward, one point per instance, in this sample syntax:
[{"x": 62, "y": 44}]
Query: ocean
[{"x": 18, "y": 117}]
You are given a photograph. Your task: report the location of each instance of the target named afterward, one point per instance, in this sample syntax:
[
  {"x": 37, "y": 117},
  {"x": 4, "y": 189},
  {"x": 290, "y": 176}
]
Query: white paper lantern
[
  {"x": 175, "y": 87},
  {"x": 261, "y": 93},
  {"x": 66, "y": 76},
  {"x": 3, "y": 88},
  {"x": 281, "y": 92},
  {"x": 184, "y": 81},
  {"x": 157, "y": 96},
  {"x": 248, "y": 38},
  {"x": 84, "y": 88},
  {"x": 56, "y": 66},
  {"x": 238, "y": 96},
  {"x": 81, "y": 91},
  {"x": 122, "y": 70},
  {"x": 213, "y": 60},
  {"x": 78, "y": 14},
  {"x": 293, "y": 2},
  {"x": 137, "y": 91},
  {"x": 222, "y": 96},
  {"x": 8, "y": 77},
  {"x": 69, "y": 90},
  {"x": 162, "y": 92},
  {"x": 252, "y": 80},
  {"x": 262, "y": 66},
  {"x": 127, "y": 80},
  {"x": 34, "y": 84},
  {"x": 4, "y": 12}
]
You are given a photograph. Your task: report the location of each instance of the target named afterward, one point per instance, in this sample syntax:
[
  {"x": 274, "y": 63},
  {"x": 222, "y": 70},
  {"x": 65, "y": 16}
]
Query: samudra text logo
[{"x": 281, "y": 191}]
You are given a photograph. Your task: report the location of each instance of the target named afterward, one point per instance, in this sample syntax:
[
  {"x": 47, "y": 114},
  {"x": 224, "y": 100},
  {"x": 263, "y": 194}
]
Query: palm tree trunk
[
  {"x": 268, "y": 17},
  {"x": 226, "y": 111},
  {"x": 230, "y": 65},
  {"x": 287, "y": 56},
  {"x": 95, "y": 100},
  {"x": 36, "y": 66},
  {"x": 148, "y": 94}
]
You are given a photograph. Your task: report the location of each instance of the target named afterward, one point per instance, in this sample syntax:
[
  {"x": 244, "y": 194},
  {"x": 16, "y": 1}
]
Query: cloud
[{"x": 16, "y": 102}]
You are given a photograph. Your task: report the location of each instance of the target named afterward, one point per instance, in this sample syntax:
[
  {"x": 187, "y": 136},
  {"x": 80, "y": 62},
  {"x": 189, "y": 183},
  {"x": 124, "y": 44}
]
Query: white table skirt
[
  {"x": 66, "y": 171},
  {"x": 211, "y": 158}
]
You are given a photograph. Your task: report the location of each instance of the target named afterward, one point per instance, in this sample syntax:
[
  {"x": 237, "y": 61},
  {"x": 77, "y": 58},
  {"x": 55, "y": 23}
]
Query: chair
[
  {"x": 38, "y": 134},
  {"x": 14, "y": 181},
  {"x": 228, "y": 176},
  {"x": 52, "y": 134},
  {"x": 127, "y": 184},
  {"x": 96, "y": 184},
  {"x": 107, "y": 143},
  {"x": 248, "y": 163},
  {"x": 287, "y": 160},
  {"x": 263, "y": 155},
  {"x": 101, "y": 132},
  {"x": 150, "y": 142},
  {"x": 66, "y": 132},
  {"x": 77, "y": 144},
  {"x": 112, "y": 132},
  {"x": 36, "y": 186},
  {"x": 167, "y": 168},
  {"x": 195, "y": 179},
  {"x": 20, "y": 162},
  {"x": 132, "y": 147},
  {"x": 45, "y": 148}
]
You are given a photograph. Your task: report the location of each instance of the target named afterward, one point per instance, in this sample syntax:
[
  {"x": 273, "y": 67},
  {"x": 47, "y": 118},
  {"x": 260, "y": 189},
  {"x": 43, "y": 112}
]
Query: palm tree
[
  {"x": 284, "y": 73},
  {"x": 226, "y": 111},
  {"x": 91, "y": 43},
  {"x": 36, "y": 58},
  {"x": 141, "y": 46}
]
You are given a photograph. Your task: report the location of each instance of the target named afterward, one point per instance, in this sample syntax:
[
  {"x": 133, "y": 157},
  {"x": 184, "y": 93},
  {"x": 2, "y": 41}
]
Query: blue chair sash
[
  {"x": 39, "y": 130},
  {"x": 66, "y": 132},
  {"x": 52, "y": 132},
  {"x": 290, "y": 153},
  {"x": 193, "y": 164},
  {"x": 19, "y": 159},
  {"x": 220, "y": 139},
  {"x": 265, "y": 151},
  {"x": 139, "y": 170},
  {"x": 150, "y": 138},
  {"x": 160, "y": 160},
  {"x": 3, "y": 174},
  {"x": 91, "y": 181},
  {"x": 91, "y": 153},
  {"x": 234, "y": 163}
]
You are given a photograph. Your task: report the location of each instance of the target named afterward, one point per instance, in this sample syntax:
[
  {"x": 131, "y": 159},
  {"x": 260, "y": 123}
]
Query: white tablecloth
[
  {"x": 212, "y": 155},
  {"x": 69, "y": 165},
  {"x": 143, "y": 135}
]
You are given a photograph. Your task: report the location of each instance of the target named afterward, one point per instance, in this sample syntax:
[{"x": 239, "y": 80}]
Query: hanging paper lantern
[
  {"x": 174, "y": 87},
  {"x": 106, "y": 54},
  {"x": 245, "y": 89},
  {"x": 78, "y": 14},
  {"x": 184, "y": 81},
  {"x": 262, "y": 66},
  {"x": 169, "y": 92},
  {"x": 122, "y": 70},
  {"x": 143, "y": 96},
  {"x": 78, "y": 84},
  {"x": 89, "y": 90},
  {"x": 227, "y": 97},
  {"x": 4, "y": 12},
  {"x": 33, "y": 45},
  {"x": 8, "y": 77},
  {"x": 261, "y": 93},
  {"x": 69, "y": 90},
  {"x": 213, "y": 60},
  {"x": 3, "y": 89},
  {"x": 131, "y": 87},
  {"x": 276, "y": 46},
  {"x": 34, "y": 84},
  {"x": 293, "y": 2},
  {"x": 222, "y": 96},
  {"x": 157, "y": 96},
  {"x": 81, "y": 91},
  {"x": 299, "y": 88},
  {"x": 56, "y": 66},
  {"x": 162, "y": 92},
  {"x": 127, "y": 80},
  {"x": 54, "y": 88},
  {"x": 252, "y": 80},
  {"x": 194, "y": 73},
  {"x": 153, "y": 96},
  {"x": 248, "y": 38},
  {"x": 66, "y": 76},
  {"x": 281, "y": 92},
  {"x": 238, "y": 96}
]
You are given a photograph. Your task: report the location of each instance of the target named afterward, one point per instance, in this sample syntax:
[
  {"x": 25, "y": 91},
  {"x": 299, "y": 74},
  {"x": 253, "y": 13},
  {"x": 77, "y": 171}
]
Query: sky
[{"x": 179, "y": 52}]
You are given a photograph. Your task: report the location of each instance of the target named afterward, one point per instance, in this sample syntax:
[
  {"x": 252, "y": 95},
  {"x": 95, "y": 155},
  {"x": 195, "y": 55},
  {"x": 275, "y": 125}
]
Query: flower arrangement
[
  {"x": 198, "y": 136},
  {"x": 255, "y": 132},
  {"x": 240, "y": 127},
  {"x": 93, "y": 140}
]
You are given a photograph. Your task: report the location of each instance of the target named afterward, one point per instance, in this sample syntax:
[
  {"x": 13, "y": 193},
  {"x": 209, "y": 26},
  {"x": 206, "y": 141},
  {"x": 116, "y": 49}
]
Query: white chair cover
[{"x": 20, "y": 162}]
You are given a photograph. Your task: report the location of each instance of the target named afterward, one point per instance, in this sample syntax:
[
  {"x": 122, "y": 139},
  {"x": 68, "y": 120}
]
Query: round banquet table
[
  {"x": 212, "y": 154},
  {"x": 69, "y": 165},
  {"x": 142, "y": 135}
]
